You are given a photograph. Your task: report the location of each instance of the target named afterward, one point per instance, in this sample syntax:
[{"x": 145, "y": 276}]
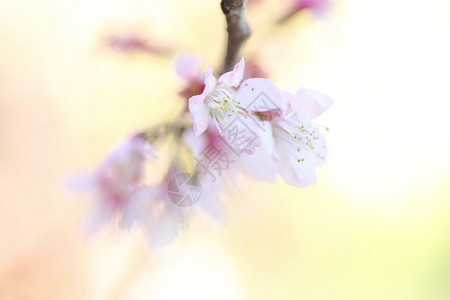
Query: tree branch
[{"x": 238, "y": 30}]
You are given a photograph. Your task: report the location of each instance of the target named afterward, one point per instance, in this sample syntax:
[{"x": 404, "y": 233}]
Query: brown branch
[{"x": 238, "y": 30}]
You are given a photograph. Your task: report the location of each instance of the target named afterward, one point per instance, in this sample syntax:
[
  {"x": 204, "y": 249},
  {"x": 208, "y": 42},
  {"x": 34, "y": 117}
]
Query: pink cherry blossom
[
  {"x": 257, "y": 165},
  {"x": 299, "y": 146},
  {"x": 254, "y": 162},
  {"x": 309, "y": 104},
  {"x": 295, "y": 144},
  {"x": 117, "y": 178},
  {"x": 236, "y": 123},
  {"x": 217, "y": 99}
]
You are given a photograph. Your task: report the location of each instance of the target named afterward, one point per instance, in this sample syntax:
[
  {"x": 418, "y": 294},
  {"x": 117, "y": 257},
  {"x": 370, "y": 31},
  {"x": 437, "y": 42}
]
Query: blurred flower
[
  {"x": 153, "y": 211},
  {"x": 188, "y": 67},
  {"x": 163, "y": 209},
  {"x": 253, "y": 69},
  {"x": 116, "y": 180},
  {"x": 318, "y": 7},
  {"x": 229, "y": 119},
  {"x": 132, "y": 42},
  {"x": 123, "y": 197}
]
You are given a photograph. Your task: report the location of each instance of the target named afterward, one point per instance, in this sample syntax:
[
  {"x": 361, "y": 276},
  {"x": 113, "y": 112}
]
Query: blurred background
[{"x": 376, "y": 226}]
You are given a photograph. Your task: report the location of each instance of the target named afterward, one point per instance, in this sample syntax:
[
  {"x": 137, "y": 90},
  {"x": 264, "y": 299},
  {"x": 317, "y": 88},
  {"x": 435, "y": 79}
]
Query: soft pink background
[{"x": 375, "y": 227}]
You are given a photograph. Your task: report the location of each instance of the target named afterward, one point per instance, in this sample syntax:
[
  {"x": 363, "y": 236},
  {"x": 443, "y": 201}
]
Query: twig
[{"x": 238, "y": 30}]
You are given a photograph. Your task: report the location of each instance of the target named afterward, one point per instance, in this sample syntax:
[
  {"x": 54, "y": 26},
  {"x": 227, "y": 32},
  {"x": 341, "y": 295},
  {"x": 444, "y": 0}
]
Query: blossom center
[
  {"x": 222, "y": 104},
  {"x": 302, "y": 139}
]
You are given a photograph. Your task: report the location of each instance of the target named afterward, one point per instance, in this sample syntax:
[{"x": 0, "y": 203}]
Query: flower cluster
[
  {"x": 285, "y": 128},
  {"x": 227, "y": 126}
]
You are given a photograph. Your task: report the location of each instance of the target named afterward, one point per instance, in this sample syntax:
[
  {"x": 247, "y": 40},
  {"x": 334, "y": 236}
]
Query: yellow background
[{"x": 376, "y": 226}]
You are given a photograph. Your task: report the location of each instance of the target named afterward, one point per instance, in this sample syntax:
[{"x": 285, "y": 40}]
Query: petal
[
  {"x": 233, "y": 78},
  {"x": 310, "y": 104},
  {"x": 163, "y": 228},
  {"x": 188, "y": 67},
  {"x": 150, "y": 151},
  {"x": 99, "y": 216},
  {"x": 196, "y": 144},
  {"x": 258, "y": 165},
  {"x": 199, "y": 113},
  {"x": 197, "y": 108},
  {"x": 210, "y": 82},
  {"x": 138, "y": 144},
  {"x": 258, "y": 94},
  {"x": 266, "y": 136},
  {"x": 288, "y": 97},
  {"x": 137, "y": 208},
  {"x": 160, "y": 219},
  {"x": 300, "y": 174},
  {"x": 82, "y": 182},
  {"x": 209, "y": 200}
]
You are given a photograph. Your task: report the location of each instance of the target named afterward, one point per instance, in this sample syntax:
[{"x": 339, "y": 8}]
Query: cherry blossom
[
  {"x": 238, "y": 123},
  {"x": 254, "y": 162},
  {"x": 116, "y": 179},
  {"x": 285, "y": 141},
  {"x": 293, "y": 141},
  {"x": 217, "y": 99}
]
